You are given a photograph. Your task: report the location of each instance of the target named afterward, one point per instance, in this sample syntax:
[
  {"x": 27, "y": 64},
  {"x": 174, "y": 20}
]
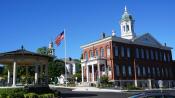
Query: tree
[
  {"x": 56, "y": 68},
  {"x": 78, "y": 75},
  {"x": 43, "y": 50}
]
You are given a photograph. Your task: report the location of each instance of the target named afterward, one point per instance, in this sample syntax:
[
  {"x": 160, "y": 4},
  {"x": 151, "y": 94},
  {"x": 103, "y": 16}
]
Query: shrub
[
  {"x": 12, "y": 93},
  {"x": 104, "y": 79},
  {"x": 132, "y": 87}
]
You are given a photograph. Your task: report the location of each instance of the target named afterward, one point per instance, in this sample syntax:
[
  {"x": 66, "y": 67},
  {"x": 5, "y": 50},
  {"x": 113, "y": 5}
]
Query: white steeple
[
  {"x": 51, "y": 50},
  {"x": 126, "y": 9},
  {"x": 127, "y": 25}
]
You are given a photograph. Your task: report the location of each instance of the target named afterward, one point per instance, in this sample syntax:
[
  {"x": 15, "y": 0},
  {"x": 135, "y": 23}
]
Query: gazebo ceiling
[{"x": 23, "y": 57}]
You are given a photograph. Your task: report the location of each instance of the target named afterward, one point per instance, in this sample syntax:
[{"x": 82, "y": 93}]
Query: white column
[
  {"x": 82, "y": 73},
  {"x": 149, "y": 82},
  {"x": 87, "y": 73},
  {"x": 98, "y": 71},
  {"x": 36, "y": 74},
  {"x": 93, "y": 73},
  {"x": 8, "y": 81},
  {"x": 135, "y": 82},
  {"x": 14, "y": 73}
]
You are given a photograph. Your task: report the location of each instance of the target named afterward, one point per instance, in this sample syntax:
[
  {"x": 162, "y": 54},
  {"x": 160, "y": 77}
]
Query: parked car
[{"x": 152, "y": 95}]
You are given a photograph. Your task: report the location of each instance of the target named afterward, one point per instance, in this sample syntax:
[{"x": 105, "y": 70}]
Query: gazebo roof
[{"x": 23, "y": 57}]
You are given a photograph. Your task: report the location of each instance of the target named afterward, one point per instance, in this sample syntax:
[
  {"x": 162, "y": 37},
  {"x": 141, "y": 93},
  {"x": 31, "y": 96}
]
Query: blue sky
[{"x": 34, "y": 23}]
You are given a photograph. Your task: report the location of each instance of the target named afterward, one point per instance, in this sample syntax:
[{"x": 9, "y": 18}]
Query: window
[
  {"x": 127, "y": 28},
  {"x": 129, "y": 70},
  {"x": 144, "y": 71},
  {"x": 142, "y": 52},
  {"x": 170, "y": 72},
  {"x": 160, "y": 56},
  {"x": 103, "y": 68},
  {"x": 168, "y": 57},
  {"x": 166, "y": 72},
  {"x": 162, "y": 72},
  {"x": 137, "y": 53},
  {"x": 147, "y": 54},
  {"x": 122, "y": 51},
  {"x": 128, "y": 52},
  {"x": 156, "y": 54},
  {"x": 124, "y": 28},
  {"x": 108, "y": 51},
  {"x": 138, "y": 70},
  {"x": 116, "y": 51},
  {"x": 164, "y": 57},
  {"x": 154, "y": 72},
  {"x": 158, "y": 71},
  {"x": 86, "y": 56},
  {"x": 124, "y": 71},
  {"x": 117, "y": 70},
  {"x": 96, "y": 53},
  {"x": 91, "y": 53},
  {"x": 149, "y": 71},
  {"x": 102, "y": 52},
  {"x": 152, "y": 55}
]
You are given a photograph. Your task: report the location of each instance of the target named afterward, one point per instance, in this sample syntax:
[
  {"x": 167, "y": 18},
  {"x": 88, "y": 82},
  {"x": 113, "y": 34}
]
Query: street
[{"x": 68, "y": 93}]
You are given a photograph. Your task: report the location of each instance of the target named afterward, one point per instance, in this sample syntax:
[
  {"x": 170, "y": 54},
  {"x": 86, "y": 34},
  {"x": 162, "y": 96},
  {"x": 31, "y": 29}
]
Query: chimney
[
  {"x": 113, "y": 33},
  {"x": 165, "y": 44},
  {"x": 103, "y": 35}
]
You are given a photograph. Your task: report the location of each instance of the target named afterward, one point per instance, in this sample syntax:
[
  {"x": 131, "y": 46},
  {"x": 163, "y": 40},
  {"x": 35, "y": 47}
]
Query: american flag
[{"x": 59, "y": 38}]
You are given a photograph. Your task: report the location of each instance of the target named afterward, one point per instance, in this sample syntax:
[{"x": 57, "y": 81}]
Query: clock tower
[{"x": 127, "y": 26}]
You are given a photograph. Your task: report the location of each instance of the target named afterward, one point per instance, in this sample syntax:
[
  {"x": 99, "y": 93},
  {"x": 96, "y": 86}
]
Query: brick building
[{"x": 140, "y": 60}]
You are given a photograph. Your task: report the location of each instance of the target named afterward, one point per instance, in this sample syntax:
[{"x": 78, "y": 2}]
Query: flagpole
[{"x": 65, "y": 55}]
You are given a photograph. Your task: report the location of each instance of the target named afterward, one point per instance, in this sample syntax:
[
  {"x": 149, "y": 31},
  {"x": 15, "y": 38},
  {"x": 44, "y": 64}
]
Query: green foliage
[
  {"x": 56, "y": 68},
  {"x": 43, "y": 50},
  {"x": 132, "y": 87},
  {"x": 78, "y": 75},
  {"x": 21, "y": 93},
  {"x": 12, "y": 93},
  {"x": 104, "y": 79}
]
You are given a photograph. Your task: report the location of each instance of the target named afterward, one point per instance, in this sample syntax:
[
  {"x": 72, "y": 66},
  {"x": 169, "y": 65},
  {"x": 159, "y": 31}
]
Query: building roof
[
  {"x": 23, "y": 52},
  {"x": 145, "y": 40},
  {"x": 23, "y": 57},
  {"x": 126, "y": 16}
]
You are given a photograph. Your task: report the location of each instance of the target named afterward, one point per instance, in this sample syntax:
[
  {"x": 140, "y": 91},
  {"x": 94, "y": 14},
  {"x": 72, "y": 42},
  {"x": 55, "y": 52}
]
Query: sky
[{"x": 34, "y": 23}]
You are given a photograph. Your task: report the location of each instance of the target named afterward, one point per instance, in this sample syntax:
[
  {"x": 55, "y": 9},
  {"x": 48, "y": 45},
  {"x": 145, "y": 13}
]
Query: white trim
[
  {"x": 122, "y": 40},
  {"x": 107, "y": 39}
]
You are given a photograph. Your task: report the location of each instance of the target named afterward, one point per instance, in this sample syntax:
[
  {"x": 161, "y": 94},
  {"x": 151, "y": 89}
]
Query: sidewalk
[{"x": 94, "y": 89}]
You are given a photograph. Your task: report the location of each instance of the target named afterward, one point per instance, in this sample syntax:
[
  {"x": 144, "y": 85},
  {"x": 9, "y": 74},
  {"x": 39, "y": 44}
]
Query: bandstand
[{"x": 25, "y": 58}]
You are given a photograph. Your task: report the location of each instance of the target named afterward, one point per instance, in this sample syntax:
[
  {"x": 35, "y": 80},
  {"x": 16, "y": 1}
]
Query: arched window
[
  {"x": 127, "y": 28},
  {"x": 124, "y": 28},
  {"x": 102, "y": 52}
]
